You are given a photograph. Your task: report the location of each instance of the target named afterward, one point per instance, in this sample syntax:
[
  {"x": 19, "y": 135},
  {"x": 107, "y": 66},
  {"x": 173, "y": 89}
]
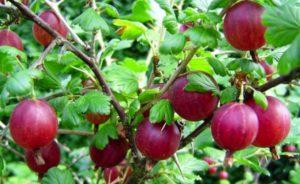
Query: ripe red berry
[
  {"x": 212, "y": 170},
  {"x": 289, "y": 148},
  {"x": 33, "y": 124},
  {"x": 208, "y": 160},
  {"x": 50, "y": 155},
  {"x": 111, "y": 175},
  {"x": 97, "y": 118},
  {"x": 274, "y": 122},
  {"x": 157, "y": 141},
  {"x": 53, "y": 21},
  {"x": 111, "y": 155},
  {"x": 10, "y": 38},
  {"x": 192, "y": 106},
  {"x": 234, "y": 126},
  {"x": 243, "y": 26},
  {"x": 26, "y": 2},
  {"x": 185, "y": 27},
  {"x": 269, "y": 69},
  {"x": 223, "y": 175}
]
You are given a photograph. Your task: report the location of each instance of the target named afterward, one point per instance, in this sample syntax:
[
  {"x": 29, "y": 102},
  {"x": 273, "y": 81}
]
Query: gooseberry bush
[{"x": 149, "y": 91}]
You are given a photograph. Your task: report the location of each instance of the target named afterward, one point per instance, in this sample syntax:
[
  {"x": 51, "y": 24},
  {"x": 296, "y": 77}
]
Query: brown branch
[
  {"x": 254, "y": 56},
  {"x": 195, "y": 133},
  {"x": 284, "y": 79},
  {"x": 170, "y": 81},
  {"x": 27, "y": 13},
  {"x": 42, "y": 57},
  {"x": 75, "y": 132}
]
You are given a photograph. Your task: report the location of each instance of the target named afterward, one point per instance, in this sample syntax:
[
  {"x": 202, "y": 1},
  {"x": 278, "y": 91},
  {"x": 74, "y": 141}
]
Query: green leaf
[
  {"x": 58, "y": 176},
  {"x": 200, "y": 64},
  {"x": 20, "y": 83},
  {"x": 9, "y": 58},
  {"x": 134, "y": 107},
  {"x": 94, "y": 102},
  {"x": 110, "y": 10},
  {"x": 249, "y": 67},
  {"x": 129, "y": 29},
  {"x": 214, "y": 153},
  {"x": 291, "y": 58},
  {"x": 253, "y": 163},
  {"x": 260, "y": 99},
  {"x": 59, "y": 103},
  {"x": 89, "y": 20},
  {"x": 220, "y": 4},
  {"x": 133, "y": 65},
  {"x": 229, "y": 95},
  {"x": 189, "y": 15},
  {"x": 121, "y": 79},
  {"x": 170, "y": 24},
  {"x": 141, "y": 11},
  {"x": 105, "y": 132},
  {"x": 235, "y": 64},
  {"x": 165, "y": 5},
  {"x": 161, "y": 111},
  {"x": 201, "y": 82},
  {"x": 283, "y": 24},
  {"x": 295, "y": 175},
  {"x": 148, "y": 95},
  {"x": 167, "y": 65},
  {"x": 173, "y": 44},
  {"x": 218, "y": 66},
  {"x": 204, "y": 37},
  {"x": 70, "y": 116}
]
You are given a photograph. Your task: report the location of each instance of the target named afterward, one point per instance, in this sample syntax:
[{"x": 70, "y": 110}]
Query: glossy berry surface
[
  {"x": 10, "y": 38},
  {"x": 234, "y": 126},
  {"x": 243, "y": 26},
  {"x": 184, "y": 27},
  {"x": 208, "y": 160},
  {"x": 192, "y": 106},
  {"x": 50, "y": 154},
  {"x": 111, "y": 174},
  {"x": 33, "y": 124},
  {"x": 96, "y": 118},
  {"x": 54, "y": 22},
  {"x": 157, "y": 141},
  {"x": 274, "y": 122},
  {"x": 223, "y": 175},
  {"x": 269, "y": 69},
  {"x": 111, "y": 155},
  {"x": 212, "y": 170},
  {"x": 289, "y": 148}
]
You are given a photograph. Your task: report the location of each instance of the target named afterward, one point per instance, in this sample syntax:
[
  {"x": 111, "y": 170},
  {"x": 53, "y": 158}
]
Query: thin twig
[
  {"x": 170, "y": 81},
  {"x": 185, "y": 141},
  {"x": 42, "y": 57},
  {"x": 17, "y": 153},
  {"x": 54, "y": 7},
  {"x": 284, "y": 79},
  {"x": 75, "y": 132}
]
